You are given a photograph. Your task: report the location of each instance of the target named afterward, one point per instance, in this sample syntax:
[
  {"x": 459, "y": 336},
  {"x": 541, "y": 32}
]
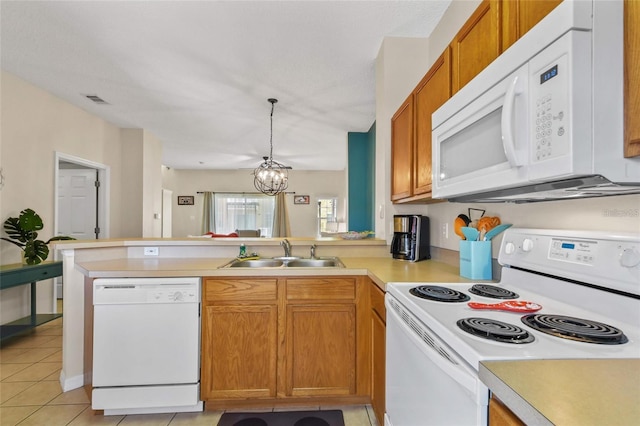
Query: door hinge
[
  {"x": 97, "y": 184},
  {"x": 96, "y": 230}
]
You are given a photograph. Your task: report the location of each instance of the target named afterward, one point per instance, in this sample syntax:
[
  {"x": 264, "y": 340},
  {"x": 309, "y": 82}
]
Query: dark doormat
[{"x": 284, "y": 418}]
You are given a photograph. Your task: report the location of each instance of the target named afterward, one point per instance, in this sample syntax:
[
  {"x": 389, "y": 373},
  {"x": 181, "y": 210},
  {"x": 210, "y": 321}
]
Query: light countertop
[
  {"x": 381, "y": 270},
  {"x": 568, "y": 392}
]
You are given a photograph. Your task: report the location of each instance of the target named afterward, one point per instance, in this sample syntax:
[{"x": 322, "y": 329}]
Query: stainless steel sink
[
  {"x": 256, "y": 263},
  {"x": 288, "y": 262},
  {"x": 315, "y": 263}
]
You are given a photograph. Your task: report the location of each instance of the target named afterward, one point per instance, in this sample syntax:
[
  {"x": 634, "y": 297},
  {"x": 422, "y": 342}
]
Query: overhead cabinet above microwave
[{"x": 545, "y": 120}]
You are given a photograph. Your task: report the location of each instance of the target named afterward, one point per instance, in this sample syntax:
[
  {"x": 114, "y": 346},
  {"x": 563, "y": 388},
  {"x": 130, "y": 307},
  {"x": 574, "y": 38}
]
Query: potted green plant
[{"x": 23, "y": 232}]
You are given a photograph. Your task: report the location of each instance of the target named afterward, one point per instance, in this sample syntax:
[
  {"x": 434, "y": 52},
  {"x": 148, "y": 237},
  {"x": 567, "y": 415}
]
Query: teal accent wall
[{"x": 361, "y": 175}]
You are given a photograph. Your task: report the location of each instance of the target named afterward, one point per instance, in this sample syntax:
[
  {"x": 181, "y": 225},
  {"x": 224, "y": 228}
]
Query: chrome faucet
[
  {"x": 287, "y": 247},
  {"x": 313, "y": 251}
]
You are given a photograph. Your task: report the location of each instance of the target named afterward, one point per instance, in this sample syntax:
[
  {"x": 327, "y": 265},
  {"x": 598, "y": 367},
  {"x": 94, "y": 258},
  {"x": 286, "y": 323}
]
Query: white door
[{"x": 77, "y": 203}]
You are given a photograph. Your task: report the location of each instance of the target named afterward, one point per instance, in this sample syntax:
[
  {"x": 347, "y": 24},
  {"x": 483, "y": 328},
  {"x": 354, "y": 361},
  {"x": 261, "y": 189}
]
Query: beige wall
[
  {"x": 34, "y": 126},
  {"x": 606, "y": 214},
  {"x": 151, "y": 186},
  {"x": 400, "y": 65},
  {"x": 187, "y": 220},
  {"x": 132, "y": 173}
]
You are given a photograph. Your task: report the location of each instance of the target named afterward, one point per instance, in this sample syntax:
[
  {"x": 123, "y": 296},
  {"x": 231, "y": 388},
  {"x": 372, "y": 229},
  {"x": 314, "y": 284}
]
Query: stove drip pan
[
  {"x": 495, "y": 330},
  {"x": 439, "y": 294},
  {"x": 493, "y": 291},
  {"x": 581, "y": 330}
]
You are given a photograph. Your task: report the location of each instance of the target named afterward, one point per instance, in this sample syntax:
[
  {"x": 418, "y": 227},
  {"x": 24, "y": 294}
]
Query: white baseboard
[{"x": 70, "y": 383}]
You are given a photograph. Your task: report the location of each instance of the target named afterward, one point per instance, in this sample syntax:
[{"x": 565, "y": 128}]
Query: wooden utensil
[{"x": 509, "y": 305}]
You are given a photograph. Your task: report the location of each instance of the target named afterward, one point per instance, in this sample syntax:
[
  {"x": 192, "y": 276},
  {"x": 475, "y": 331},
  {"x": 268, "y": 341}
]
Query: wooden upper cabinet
[
  {"x": 477, "y": 43},
  {"x": 631, "y": 78},
  {"x": 401, "y": 150},
  {"x": 429, "y": 95},
  {"x": 519, "y": 16}
]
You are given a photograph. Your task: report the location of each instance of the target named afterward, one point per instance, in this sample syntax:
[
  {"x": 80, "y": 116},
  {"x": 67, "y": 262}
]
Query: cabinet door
[
  {"x": 429, "y": 95},
  {"x": 239, "y": 344},
  {"x": 320, "y": 350},
  {"x": 631, "y": 78},
  {"x": 519, "y": 16},
  {"x": 401, "y": 151},
  {"x": 477, "y": 43},
  {"x": 500, "y": 415},
  {"x": 378, "y": 354}
]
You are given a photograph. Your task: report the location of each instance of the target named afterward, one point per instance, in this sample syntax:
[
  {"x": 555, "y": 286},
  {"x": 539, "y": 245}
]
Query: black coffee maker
[{"x": 410, "y": 238}]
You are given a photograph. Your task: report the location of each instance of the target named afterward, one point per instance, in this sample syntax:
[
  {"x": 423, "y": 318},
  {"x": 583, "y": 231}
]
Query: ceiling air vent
[{"x": 96, "y": 99}]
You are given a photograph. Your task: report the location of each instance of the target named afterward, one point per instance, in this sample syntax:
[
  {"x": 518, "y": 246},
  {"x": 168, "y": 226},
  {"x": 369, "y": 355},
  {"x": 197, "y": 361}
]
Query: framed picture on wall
[
  {"x": 300, "y": 199},
  {"x": 185, "y": 200}
]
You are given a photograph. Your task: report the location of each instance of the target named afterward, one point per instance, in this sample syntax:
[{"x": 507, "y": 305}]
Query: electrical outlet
[
  {"x": 151, "y": 251},
  {"x": 445, "y": 231}
]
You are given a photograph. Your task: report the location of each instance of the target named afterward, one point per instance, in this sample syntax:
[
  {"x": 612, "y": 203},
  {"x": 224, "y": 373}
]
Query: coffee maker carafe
[{"x": 410, "y": 237}]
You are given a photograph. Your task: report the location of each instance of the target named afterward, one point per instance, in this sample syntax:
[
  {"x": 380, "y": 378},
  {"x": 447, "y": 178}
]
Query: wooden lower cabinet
[
  {"x": 240, "y": 342},
  {"x": 239, "y": 338},
  {"x": 378, "y": 352},
  {"x": 321, "y": 349},
  {"x": 279, "y": 340},
  {"x": 500, "y": 415}
]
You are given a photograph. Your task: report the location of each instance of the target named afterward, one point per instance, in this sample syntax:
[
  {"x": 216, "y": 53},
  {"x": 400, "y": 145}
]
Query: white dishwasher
[{"x": 146, "y": 345}]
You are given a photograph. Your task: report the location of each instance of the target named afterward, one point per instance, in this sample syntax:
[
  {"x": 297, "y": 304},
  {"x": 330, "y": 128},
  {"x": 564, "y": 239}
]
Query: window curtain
[
  {"x": 243, "y": 211},
  {"x": 280, "y": 217},
  {"x": 208, "y": 214}
]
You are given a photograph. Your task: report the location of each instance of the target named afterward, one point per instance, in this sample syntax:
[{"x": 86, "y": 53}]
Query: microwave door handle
[{"x": 508, "y": 141}]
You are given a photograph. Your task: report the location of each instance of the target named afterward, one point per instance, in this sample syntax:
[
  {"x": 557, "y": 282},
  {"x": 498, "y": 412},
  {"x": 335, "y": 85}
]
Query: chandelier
[{"x": 271, "y": 177}]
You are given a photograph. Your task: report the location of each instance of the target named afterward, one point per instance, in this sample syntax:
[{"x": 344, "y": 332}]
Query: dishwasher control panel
[
  {"x": 146, "y": 290},
  {"x": 172, "y": 295}
]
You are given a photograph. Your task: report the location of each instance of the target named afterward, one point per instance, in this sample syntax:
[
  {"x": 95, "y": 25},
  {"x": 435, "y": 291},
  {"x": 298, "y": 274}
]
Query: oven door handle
[{"x": 458, "y": 370}]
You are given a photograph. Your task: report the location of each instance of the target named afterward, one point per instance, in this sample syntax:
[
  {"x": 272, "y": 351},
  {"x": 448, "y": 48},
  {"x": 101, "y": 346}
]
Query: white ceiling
[{"x": 197, "y": 74}]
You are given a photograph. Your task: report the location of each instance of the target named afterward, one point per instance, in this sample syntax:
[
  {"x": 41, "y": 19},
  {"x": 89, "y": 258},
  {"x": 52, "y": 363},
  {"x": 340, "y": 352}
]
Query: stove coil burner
[
  {"x": 493, "y": 291},
  {"x": 578, "y": 329},
  {"x": 495, "y": 330},
  {"x": 439, "y": 294}
]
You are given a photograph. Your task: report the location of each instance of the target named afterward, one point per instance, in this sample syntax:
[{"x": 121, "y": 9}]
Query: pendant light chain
[
  {"x": 273, "y": 105},
  {"x": 271, "y": 177}
]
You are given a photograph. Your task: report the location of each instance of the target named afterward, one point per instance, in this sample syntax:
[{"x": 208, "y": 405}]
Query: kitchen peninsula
[{"x": 198, "y": 257}]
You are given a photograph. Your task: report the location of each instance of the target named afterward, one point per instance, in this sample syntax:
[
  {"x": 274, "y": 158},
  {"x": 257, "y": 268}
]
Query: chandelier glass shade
[{"x": 271, "y": 177}]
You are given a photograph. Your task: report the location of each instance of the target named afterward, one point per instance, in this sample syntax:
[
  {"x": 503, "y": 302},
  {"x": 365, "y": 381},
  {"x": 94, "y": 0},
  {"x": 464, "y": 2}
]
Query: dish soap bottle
[{"x": 243, "y": 251}]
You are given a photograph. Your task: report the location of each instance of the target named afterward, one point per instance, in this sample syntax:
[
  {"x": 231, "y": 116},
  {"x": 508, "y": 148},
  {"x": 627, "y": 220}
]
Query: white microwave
[{"x": 544, "y": 120}]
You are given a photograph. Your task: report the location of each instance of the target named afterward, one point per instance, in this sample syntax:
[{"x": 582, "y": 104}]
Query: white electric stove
[{"x": 584, "y": 285}]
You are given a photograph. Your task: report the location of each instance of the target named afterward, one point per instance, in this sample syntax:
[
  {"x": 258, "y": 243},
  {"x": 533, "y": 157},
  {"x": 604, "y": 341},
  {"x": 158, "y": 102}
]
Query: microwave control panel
[{"x": 550, "y": 124}]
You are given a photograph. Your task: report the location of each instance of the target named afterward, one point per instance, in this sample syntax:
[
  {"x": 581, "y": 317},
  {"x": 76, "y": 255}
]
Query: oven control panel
[
  {"x": 599, "y": 258},
  {"x": 578, "y": 251}
]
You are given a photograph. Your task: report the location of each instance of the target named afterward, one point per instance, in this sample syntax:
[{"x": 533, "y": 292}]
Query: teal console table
[{"x": 18, "y": 274}]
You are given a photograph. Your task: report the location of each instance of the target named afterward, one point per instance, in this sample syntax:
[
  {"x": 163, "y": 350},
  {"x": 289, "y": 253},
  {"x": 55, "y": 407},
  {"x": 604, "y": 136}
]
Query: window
[
  {"x": 327, "y": 215},
  {"x": 243, "y": 211}
]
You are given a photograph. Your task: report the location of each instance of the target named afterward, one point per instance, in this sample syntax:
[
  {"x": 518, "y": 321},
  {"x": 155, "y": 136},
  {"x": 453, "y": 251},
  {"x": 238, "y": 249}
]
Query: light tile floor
[{"x": 30, "y": 392}]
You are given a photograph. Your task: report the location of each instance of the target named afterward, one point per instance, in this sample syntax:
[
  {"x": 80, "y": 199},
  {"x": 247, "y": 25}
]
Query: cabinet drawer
[
  {"x": 264, "y": 289},
  {"x": 321, "y": 288},
  {"x": 377, "y": 302}
]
